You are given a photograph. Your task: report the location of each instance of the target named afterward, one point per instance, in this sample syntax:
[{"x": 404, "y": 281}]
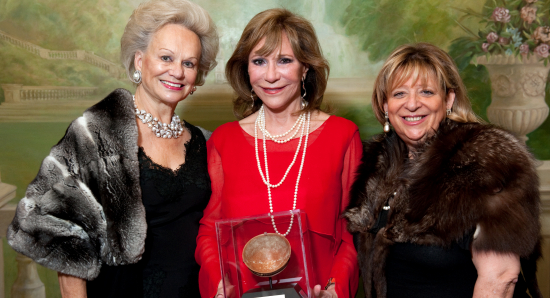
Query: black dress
[
  {"x": 174, "y": 202},
  {"x": 418, "y": 271},
  {"x": 414, "y": 270}
]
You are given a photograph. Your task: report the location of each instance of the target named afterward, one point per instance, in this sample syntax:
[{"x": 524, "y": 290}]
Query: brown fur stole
[{"x": 465, "y": 175}]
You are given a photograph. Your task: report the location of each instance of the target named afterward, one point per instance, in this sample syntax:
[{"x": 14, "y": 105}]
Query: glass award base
[
  {"x": 243, "y": 259},
  {"x": 281, "y": 291}
]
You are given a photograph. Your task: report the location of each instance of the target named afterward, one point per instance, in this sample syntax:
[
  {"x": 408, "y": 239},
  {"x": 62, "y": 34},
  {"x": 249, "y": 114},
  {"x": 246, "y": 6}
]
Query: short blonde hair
[
  {"x": 270, "y": 24},
  {"x": 152, "y": 15},
  {"x": 422, "y": 61}
]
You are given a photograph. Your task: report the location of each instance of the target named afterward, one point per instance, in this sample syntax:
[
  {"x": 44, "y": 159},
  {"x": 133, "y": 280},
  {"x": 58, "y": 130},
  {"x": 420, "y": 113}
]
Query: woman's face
[
  {"x": 415, "y": 110},
  {"x": 277, "y": 77},
  {"x": 169, "y": 65}
]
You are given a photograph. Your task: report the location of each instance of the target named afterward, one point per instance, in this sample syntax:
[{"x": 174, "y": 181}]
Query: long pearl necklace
[
  {"x": 260, "y": 123},
  {"x": 276, "y": 138},
  {"x": 161, "y": 130}
]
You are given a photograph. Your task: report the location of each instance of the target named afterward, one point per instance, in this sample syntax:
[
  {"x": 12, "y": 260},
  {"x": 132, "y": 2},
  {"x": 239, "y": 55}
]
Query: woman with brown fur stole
[{"x": 443, "y": 205}]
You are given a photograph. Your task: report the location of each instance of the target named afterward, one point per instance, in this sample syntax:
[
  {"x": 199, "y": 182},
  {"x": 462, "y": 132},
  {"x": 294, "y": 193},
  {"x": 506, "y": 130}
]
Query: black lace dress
[{"x": 174, "y": 202}]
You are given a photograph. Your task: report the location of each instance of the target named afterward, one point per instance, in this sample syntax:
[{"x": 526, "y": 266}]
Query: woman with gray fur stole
[
  {"x": 443, "y": 205},
  {"x": 115, "y": 207}
]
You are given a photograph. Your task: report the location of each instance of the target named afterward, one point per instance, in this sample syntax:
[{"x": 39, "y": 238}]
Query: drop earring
[
  {"x": 252, "y": 97},
  {"x": 304, "y": 86},
  {"x": 387, "y": 123},
  {"x": 304, "y": 101},
  {"x": 448, "y": 112}
]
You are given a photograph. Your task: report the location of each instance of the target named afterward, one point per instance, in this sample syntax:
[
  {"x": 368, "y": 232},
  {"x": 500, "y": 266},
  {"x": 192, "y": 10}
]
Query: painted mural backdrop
[{"x": 64, "y": 57}]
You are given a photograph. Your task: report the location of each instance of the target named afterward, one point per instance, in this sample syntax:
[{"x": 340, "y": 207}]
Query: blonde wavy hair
[{"x": 422, "y": 61}]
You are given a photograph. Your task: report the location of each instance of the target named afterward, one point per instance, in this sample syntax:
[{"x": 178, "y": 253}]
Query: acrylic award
[{"x": 256, "y": 262}]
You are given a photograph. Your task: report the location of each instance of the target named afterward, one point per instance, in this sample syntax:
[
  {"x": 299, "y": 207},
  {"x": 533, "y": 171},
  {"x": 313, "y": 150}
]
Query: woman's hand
[
  {"x": 228, "y": 289},
  {"x": 328, "y": 293},
  {"x": 219, "y": 294},
  {"x": 71, "y": 286},
  {"x": 497, "y": 273}
]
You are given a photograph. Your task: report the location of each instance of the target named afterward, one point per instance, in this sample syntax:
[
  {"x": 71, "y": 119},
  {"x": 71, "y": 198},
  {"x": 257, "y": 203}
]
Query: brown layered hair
[
  {"x": 422, "y": 61},
  {"x": 271, "y": 24}
]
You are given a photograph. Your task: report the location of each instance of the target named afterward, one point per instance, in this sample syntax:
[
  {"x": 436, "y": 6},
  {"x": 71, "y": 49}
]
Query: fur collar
[{"x": 465, "y": 175}]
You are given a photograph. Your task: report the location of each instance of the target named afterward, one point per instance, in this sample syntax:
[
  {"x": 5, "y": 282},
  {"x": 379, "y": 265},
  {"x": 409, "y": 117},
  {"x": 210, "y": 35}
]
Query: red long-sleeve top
[{"x": 333, "y": 154}]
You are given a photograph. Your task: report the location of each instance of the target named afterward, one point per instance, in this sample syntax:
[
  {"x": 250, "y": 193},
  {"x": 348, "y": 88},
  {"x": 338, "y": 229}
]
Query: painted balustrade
[
  {"x": 89, "y": 57},
  {"x": 19, "y": 93},
  {"x": 20, "y": 43},
  {"x": 27, "y": 283},
  {"x": 62, "y": 55}
]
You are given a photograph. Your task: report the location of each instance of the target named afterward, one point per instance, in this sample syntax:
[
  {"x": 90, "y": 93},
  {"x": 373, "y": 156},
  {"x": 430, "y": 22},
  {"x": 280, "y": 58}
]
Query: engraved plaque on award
[{"x": 256, "y": 262}]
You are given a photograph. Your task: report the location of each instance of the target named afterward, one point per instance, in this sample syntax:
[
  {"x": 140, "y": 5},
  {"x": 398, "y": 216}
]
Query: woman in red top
[{"x": 280, "y": 75}]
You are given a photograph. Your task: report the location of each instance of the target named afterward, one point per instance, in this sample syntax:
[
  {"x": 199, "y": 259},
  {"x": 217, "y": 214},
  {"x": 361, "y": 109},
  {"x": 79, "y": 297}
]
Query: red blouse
[{"x": 332, "y": 156}]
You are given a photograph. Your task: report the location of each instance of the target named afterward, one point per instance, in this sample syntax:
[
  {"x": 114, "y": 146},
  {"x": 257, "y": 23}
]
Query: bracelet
[{"x": 331, "y": 281}]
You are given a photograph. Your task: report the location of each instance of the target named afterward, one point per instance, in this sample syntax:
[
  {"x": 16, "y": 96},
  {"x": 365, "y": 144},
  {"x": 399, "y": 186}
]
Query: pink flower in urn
[
  {"x": 492, "y": 37},
  {"x": 485, "y": 47},
  {"x": 503, "y": 40},
  {"x": 501, "y": 14},
  {"x": 542, "y": 34},
  {"x": 524, "y": 49},
  {"x": 528, "y": 14},
  {"x": 542, "y": 50}
]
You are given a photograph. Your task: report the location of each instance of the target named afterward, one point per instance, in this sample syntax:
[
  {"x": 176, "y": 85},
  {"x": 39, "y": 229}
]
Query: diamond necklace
[
  {"x": 161, "y": 130},
  {"x": 265, "y": 179}
]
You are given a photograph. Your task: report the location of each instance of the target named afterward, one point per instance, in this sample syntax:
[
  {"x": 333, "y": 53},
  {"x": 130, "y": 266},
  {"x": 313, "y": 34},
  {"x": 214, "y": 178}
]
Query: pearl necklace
[
  {"x": 276, "y": 138},
  {"x": 161, "y": 130},
  {"x": 261, "y": 120}
]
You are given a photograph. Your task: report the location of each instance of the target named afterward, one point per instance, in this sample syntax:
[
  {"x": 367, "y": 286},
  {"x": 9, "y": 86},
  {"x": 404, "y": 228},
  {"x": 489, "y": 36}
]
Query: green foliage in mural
[
  {"x": 476, "y": 79},
  {"x": 92, "y": 25},
  {"x": 382, "y": 25},
  {"x": 538, "y": 139},
  {"x": 364, "y": 118}
]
